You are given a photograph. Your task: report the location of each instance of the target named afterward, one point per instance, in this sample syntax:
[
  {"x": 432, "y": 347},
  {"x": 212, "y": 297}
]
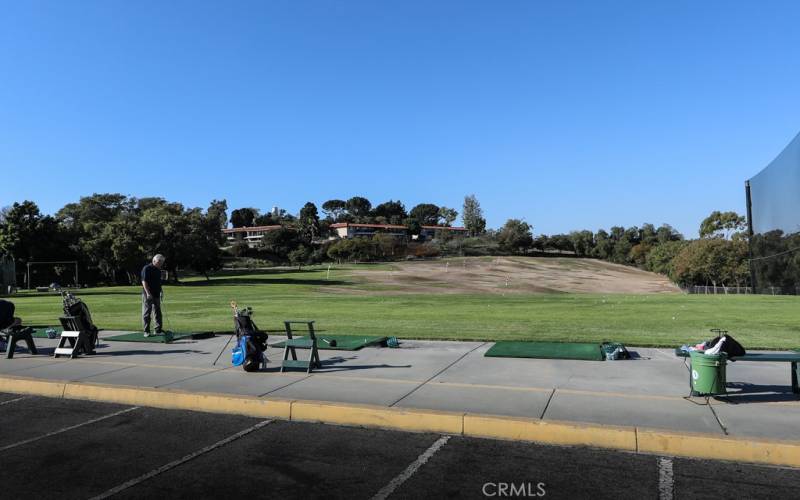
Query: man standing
[{"x": 151, "y": 294}]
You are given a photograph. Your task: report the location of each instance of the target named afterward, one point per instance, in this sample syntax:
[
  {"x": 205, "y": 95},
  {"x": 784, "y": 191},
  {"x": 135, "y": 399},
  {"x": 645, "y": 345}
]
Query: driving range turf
[{"x": 346, "y": 304}]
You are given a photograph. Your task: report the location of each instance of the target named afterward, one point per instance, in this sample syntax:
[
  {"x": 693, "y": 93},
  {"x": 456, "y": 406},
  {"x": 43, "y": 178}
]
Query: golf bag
[
  {"x": 77, "y": 317},
  {"x": 250, "y": 343}
]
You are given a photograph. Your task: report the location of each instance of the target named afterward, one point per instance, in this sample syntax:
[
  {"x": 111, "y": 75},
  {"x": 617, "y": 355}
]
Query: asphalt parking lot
[{"x": 58, "y": 448}]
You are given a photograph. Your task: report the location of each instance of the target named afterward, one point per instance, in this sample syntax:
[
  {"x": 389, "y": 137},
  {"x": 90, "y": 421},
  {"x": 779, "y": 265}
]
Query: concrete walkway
[{"x": 649, "y": 391}]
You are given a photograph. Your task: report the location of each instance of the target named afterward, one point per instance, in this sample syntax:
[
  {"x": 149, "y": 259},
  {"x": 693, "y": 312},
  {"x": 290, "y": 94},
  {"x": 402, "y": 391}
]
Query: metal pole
[
  {"x": 29, "y": 275},
  {"x": 749, "y": 202}
]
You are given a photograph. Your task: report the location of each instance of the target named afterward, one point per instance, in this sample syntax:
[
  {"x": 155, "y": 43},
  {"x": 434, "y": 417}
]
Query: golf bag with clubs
[
  {"x": 250, "y": 341},
  {"x": 78, "y": 318}
]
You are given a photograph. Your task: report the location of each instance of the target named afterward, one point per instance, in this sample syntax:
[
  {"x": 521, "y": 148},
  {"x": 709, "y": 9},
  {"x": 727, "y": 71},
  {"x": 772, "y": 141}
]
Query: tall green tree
[
  {"x": 717, "y": 261},
  {"x": 660, "y": 258},
  {"x": 722, "y": 225},
  {"x": 243, "y": 217},
  {"x": 515, "y": 236},
  {"x": 426, "y": 213},
  {"x": 582, "y": 242},
  {"x": 472, "y": 215},
  {"x": 280, "y": 242},
  {"x": 393, "y": 212},
  {"x": 358, "y": 207},
  {"x": 334, "y": 209},
  {"x": 28, "y": 235},
  {"x": 205, "y": 238},
  {"x": 447, "y": 216},
  {"x": 648, "y": 234},
  {"x": 308, "y": 222},
  {"x": 603, "y": 245},
  {"x": 666, "y": 233}
]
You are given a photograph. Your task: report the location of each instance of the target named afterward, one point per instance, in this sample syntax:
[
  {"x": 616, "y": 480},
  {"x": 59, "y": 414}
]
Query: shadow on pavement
[{"x": 744, "y": 393}]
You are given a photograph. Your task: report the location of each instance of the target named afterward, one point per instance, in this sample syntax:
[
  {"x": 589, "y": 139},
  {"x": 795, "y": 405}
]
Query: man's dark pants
[{"x": 150, "y": 306}]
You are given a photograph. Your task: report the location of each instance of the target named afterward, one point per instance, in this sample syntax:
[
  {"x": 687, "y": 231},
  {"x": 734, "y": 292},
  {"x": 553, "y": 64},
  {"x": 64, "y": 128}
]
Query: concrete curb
[{"x": 630, "y": 439}]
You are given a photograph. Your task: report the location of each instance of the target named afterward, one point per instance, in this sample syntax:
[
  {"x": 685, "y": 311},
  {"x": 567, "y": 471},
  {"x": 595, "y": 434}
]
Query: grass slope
[{"x": 643, "y": 320}]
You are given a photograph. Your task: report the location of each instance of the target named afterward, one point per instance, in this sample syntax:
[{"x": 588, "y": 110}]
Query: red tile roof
[
  {"x": 248, "y": 229},
  {"x": 445, "y": 228},
  {"x": 374, "y": 226}
]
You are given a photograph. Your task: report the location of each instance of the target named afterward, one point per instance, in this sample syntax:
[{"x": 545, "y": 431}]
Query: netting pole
[{"x": 749, "y": 204}]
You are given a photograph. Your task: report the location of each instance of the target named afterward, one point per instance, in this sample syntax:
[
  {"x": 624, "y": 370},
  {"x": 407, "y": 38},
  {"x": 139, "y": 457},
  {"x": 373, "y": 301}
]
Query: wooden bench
[
  {"x": 14, "y": 335},
  {"x": 793, "y": 358},
  {"x": 309, "y": 342}
]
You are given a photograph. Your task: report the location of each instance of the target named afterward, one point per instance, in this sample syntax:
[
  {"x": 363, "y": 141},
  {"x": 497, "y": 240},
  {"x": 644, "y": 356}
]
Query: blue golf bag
[{"x": 250, "y": 345}]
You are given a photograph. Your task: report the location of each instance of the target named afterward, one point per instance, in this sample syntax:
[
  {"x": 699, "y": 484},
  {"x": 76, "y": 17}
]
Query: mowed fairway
[{"x": 374, "y": 300}]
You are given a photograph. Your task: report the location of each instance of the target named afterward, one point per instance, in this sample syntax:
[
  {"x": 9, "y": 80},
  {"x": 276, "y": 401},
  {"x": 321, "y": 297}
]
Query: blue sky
[{"x": 569, "y": 115}]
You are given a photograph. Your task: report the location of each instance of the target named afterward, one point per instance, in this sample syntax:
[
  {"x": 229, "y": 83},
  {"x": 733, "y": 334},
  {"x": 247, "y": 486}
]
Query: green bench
[
  {"x": 793, "y": 358},
  {"x": 13, "y": 335},
  {"x": 309, "y": 342}
]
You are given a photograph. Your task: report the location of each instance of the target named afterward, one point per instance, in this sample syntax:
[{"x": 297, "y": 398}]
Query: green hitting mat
[
  {"x": 546, "y": 350},
  {"x": 343, "y": 342},
  {"x": 153, "y": 339}
]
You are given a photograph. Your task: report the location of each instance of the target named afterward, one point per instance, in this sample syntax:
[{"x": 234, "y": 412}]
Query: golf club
[
  {"x": 331, "y": 342},
  {"x": 164, "y": 315},
  {"x": 235, "y": 312}
]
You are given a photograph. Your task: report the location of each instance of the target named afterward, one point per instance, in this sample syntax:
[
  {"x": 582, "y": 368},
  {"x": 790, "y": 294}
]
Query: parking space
[{"x": 55, "y": 448}]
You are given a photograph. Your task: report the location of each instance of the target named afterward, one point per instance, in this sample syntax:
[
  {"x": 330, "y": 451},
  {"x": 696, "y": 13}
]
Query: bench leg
[
  {"x": 285, "y": 355},
  {"x": 795, "y": 377},
  {"x": 315, "y": 358},
  {"x": 11, "y": 345},
  {"x": 31, "y": 345}
]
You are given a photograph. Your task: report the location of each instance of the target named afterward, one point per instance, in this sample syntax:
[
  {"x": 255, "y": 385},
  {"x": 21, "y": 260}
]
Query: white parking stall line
[
  {"x": 65, "y": 429},
  {"x": 175, "y": 463},
  {"x": 411, "y": 469},
  {"x": 666, "y": 481},
  {"x": 13, "y": 400}
]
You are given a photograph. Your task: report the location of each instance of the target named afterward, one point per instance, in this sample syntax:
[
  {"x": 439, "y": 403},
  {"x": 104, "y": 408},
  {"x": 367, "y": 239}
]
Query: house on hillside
[
  {"x": 250, "y": 235},
  {"x": 348, "y": 230},
  {"x": 352, "y": 230}
]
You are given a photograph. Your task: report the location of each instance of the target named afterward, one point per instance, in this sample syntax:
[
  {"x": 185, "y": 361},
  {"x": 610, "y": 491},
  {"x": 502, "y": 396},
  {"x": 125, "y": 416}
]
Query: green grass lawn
[{"x": 639, "y": 320}]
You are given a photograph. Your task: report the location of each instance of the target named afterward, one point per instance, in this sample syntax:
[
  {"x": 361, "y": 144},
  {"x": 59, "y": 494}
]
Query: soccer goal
[{"x": 57, "y": 271}]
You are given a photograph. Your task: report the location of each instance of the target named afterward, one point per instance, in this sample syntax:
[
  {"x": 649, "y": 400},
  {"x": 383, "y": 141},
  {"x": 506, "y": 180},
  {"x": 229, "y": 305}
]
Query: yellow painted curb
[
  {"x": 37, "y": 387},
  {"x": 551, "y": 432},
  {"x": 735, "y": 449},
  {"x": 378, "y": 416},
  {"x": 181, "y": 400},
  {"x": 782, "y": 453}
]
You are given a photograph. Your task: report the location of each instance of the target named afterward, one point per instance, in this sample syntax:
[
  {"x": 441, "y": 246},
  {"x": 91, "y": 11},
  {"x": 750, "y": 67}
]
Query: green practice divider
[
  {"x": 153, "y": 339},
  {"x": 546, "y": 350},
  {"x": 343, "y": 342}
]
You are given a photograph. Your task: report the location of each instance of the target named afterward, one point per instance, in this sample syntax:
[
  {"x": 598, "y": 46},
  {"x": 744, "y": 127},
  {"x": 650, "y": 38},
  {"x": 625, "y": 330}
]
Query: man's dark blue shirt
[{"x": 152, "y": 276}]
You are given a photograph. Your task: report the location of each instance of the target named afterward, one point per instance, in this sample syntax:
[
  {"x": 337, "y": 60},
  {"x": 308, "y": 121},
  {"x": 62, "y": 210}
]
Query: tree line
[
  {"x": 719, "y": 257},
  {"x": 360, "y": 210},
  {"x": 112, "y": 235}
]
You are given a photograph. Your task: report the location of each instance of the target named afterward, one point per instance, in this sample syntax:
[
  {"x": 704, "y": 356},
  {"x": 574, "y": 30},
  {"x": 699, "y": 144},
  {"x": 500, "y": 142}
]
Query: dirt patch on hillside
[{"x": 509, "y": 275}]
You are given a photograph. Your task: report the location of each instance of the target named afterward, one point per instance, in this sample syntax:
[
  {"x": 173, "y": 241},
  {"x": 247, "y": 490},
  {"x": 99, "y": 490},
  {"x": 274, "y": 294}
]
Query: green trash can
[{"x": 708, "y": 373}]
